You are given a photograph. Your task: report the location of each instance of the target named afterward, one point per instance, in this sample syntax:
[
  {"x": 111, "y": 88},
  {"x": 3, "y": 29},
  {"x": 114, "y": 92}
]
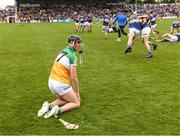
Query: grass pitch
[{"x": 120, "y": 94}]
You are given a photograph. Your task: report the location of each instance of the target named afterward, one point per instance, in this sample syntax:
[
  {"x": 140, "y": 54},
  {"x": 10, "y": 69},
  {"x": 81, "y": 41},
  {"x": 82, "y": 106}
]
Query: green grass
[{"x": 120, "y": 94}]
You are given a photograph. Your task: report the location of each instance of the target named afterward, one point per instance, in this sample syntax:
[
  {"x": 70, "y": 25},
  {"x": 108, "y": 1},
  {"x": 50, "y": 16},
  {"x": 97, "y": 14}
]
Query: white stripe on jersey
[{"x": 64, "y": 60}]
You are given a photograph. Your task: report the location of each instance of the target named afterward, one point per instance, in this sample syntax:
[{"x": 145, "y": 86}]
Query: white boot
[
  {"x": 53, "y": 112},
  {"x": 118, "y": 39},
  {"x": 44, "y": 109}
]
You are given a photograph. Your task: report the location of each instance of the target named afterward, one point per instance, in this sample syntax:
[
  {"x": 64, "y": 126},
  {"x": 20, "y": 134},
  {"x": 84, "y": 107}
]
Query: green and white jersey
[{"x": 61, "y": 68}]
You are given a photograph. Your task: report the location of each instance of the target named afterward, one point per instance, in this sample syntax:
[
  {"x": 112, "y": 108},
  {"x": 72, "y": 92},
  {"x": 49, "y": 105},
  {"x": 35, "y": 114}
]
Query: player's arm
[
  {"x": 171, "y": 30},
  {"x": 114, "y": 20},
  {"x": 127, "y": 20},
  {"x": 74, "y": 80}
]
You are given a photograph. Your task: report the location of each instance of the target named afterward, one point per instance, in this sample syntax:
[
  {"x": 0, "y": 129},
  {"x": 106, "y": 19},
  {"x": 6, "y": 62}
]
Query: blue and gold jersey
[
  {"x": 89, "y": 19},
  {"x": 106, "y": 20},
  {"x": 144, "y": 21},
  {"x": 178, "y": 36},
  {"x": 82, "y": 19},
  {"x": 77, "y": 20},
  {"x": 153, "y": 19},
  {"x": 135, "y": 23}
]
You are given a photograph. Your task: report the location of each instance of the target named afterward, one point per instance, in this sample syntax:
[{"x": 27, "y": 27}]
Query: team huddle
[{"x": 143, "y": 24}]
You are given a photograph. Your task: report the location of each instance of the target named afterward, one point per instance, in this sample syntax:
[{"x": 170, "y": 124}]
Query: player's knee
[{"x": 78, "y": 104}]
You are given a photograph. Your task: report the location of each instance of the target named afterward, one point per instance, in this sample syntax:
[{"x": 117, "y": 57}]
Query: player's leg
[
  {"x": 146, "y": 43},
  {"x": 130, "y": 43},
  {"x": 70, "y": 102},
  {"x": 83, "y": 27},
  {"x": 59, "y": 89},
  {"x": 122, "y": 31},
  {"x": 104, "y": 31},
  {"x": 44, "y": 109},
  {"x": 58, "y": 101},
  {"x": 131, "y": 37},
  {"x": 90, "y": 27},
  {"x": 153, "y": 42},
  {"x": 154, "y": 31},
  {"x": 154, "y": 34},
  {"x": 46, "y": 105},
  {"x": 164, "y": 35},
  {"x": 172, "y": 38},
  {"x": 145, "y": 35},
  {"x": 119, "y": 34},
  {"x": 78, "y": 27},
  {"x": 86, "y": 27}
]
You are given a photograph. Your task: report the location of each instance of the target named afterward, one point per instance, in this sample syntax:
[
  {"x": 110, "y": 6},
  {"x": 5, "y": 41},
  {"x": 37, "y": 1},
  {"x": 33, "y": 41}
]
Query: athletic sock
[
  {"x": 59, "y": 110},
  {"x": 129, "y": 45}
]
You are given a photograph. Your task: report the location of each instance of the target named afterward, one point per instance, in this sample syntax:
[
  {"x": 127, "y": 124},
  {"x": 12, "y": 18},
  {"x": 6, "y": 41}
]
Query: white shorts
[
  {"x": 133, "y": 31},
  {"x": 153, "y": 26},
  {"x": 110, "y": 30},
  {"x": 58, "y": 87},
  {"x": 174, "y": 38},
  {"x": 86, "y": 23},
  {"x": 77, "y": 24},
  {"x": 82, "y": 24},
  {"x": 145, "y": 32},
  {"x": 89, "y": 24}
]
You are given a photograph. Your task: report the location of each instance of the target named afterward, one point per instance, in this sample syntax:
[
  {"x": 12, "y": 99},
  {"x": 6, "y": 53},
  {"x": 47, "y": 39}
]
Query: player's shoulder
[
  {"x": 69, "y": 50},
  {"x": 71, "y": 55}
]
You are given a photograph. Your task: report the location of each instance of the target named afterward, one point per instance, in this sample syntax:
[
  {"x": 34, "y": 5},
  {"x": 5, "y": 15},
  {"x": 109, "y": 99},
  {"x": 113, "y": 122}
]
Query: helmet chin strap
[{"x": 72, "y": 45}]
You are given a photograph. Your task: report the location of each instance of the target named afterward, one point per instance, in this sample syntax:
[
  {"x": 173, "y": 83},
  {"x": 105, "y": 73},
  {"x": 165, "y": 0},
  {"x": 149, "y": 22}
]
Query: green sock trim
[{"x": 59, "y": 111}]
